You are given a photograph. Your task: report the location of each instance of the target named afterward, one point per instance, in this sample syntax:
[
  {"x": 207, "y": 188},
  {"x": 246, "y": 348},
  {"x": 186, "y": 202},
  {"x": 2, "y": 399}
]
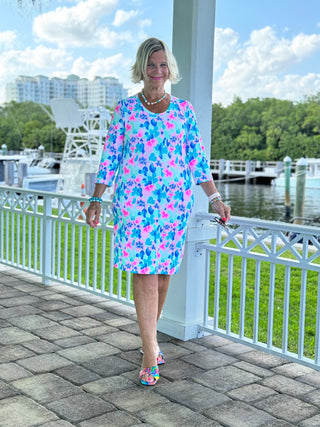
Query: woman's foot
[
  {"x": 160, "y": 357},
  {"x": 149, "y": 376}
]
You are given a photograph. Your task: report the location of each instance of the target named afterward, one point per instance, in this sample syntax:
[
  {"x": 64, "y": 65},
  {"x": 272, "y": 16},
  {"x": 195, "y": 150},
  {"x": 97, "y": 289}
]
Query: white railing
[
  {"x": 263, "y": 287},
  {"x": 46, "y": 234},
  {"x": 242, "y": 165}
]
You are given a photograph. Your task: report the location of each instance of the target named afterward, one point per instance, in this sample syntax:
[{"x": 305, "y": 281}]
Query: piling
[
  {"x": 41, "y": 151},
  {"x": 82, "y": 215},
  {"x": 9, "y": 173},
  {"x": 89, "y": 179},
  {"x": 248, "y": 170},
  {"x": 279, "y": 168},
  {"x": 301, "y": 171},
  {"x": 22, "y": 173},
  {"x": 1, "y": 170},
  {"x": 221, "y": 168},
  {"x": 4, "y": 149},
  {"x": 287, "y": 174}
]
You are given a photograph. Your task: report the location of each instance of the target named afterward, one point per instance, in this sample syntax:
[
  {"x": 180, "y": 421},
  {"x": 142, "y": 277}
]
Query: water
[{"x": 265, "y": 201}]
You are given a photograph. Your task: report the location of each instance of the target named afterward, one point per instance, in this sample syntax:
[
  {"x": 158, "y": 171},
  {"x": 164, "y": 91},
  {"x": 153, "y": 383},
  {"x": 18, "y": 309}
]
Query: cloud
[
  {"x": 101, "y": 67},
  {"x": 123, "y": 16},
  {"x": 59, "y": 63},
  {"x": 40, "y": 60},
  {"x": 260, "y": 67},
  {"x": 7, "y": 40},
  {"x": 225, "y": 46},
  {"x": 79, "y": 26}
]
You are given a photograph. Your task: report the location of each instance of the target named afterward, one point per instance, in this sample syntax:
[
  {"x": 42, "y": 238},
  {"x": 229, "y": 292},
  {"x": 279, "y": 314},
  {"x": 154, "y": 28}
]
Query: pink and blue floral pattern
[{"x": 152, "y": 158}]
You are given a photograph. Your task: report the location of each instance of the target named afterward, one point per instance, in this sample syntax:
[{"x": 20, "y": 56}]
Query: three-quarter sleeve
[
  {"x": 112, "y": 150},
  {"x": 195, "y": 151}
]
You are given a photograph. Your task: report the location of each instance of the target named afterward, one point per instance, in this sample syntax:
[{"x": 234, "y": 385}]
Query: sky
[{"x": 262, "y": 48}]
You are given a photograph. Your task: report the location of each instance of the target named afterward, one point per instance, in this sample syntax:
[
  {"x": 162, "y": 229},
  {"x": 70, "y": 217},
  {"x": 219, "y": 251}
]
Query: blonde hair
[{"x": 145, "y": 50}]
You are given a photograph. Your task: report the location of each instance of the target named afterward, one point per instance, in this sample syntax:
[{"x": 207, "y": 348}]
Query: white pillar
[{"x": 193, "y": 40}]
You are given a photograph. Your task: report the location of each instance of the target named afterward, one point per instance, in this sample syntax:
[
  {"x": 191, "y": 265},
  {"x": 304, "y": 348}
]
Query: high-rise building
[
  {"x": 105, "y": 91},
  {"x": 101, "y": 91}
]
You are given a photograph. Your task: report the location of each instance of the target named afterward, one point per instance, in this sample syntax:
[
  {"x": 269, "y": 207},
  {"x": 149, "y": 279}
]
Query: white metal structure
[
  {"x": 85, "y": 131},
  {"x": 249, "y": 294}
]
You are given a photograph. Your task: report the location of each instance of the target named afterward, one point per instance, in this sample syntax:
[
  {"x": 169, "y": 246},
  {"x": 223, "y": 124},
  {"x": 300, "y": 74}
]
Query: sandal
[
  {"x": 160, "y": 357},
  {"x": 153, "y": 375}
]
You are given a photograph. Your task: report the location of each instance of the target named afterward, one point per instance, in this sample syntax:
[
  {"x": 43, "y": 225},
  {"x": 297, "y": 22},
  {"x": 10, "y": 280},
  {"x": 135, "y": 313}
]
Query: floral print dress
[{"x": 152, "y": 158}]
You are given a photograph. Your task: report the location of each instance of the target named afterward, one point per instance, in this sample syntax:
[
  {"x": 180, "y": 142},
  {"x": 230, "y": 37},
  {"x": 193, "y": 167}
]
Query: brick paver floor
[{"x": 68, "y": 358}]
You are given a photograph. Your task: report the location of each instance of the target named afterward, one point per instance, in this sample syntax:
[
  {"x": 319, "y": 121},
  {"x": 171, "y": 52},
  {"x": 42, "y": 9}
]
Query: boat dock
[{"x": 245, "y": 170}]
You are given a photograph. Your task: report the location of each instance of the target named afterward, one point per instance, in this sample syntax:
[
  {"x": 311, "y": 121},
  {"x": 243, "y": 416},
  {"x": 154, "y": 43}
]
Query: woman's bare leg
[
  {"x": 146, "y": 299},
  {"x": 163, "y": 285}
]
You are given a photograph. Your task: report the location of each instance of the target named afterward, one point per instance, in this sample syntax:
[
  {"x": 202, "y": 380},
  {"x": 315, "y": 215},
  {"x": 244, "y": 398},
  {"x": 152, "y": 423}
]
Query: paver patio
[{"x": 68, "y": 358}]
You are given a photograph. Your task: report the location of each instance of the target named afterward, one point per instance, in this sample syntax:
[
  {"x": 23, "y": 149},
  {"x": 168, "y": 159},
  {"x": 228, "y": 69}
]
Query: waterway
[{"x": 265, "y": 201}]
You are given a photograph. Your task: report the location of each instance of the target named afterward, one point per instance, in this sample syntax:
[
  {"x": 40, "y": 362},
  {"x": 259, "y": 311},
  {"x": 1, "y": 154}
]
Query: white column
[{"x": 193, "y": 40}]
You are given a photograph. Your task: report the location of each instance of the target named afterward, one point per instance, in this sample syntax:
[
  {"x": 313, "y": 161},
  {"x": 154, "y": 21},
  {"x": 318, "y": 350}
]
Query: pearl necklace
[{"x": 152, "y": 103}]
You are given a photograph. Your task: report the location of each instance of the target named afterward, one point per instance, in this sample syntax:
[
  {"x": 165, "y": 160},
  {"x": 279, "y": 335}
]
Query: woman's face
[{"x": 157, "y": 72}]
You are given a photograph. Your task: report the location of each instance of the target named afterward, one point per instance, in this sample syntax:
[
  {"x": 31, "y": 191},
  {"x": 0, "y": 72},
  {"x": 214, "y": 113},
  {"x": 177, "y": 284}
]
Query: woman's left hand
[{"x": 222, "y": 210}]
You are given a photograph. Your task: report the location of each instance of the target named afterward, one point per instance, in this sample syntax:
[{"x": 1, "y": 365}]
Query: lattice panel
[{"x": 298, "y": 246}]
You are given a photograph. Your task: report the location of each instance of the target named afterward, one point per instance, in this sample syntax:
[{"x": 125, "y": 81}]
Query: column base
[{"x": 178, "y": 330}]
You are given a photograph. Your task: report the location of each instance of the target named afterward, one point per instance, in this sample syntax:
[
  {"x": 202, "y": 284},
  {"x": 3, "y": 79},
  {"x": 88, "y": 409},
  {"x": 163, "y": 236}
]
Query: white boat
[
  {"x": 312, "y": 176},
  {"x": 36, "y": 168}
]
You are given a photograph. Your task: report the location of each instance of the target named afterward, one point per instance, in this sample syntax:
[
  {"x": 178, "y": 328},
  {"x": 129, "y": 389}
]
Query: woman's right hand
[
  {"x": 93, "y": 214},
  {"x": 222, "y": 210}
]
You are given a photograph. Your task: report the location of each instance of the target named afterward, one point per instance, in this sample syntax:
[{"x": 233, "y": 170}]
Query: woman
[{"x": 152, "y": 149}]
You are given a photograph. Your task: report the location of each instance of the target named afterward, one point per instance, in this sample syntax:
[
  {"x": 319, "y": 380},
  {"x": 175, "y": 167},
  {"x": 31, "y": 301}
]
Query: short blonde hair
[{"x": 145, "y": 50}]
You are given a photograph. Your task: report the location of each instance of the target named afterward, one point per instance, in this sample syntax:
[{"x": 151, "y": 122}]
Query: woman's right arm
[
  {"x": 94, "y": 209},
  {"x": 109, "y": 164}
]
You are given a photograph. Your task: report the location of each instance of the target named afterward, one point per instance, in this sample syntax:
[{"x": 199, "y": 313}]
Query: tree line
[
  {"x": 266, "y": 129},
  {"x": 258, "y": 129},
  {"x": 27, "y": 125}
]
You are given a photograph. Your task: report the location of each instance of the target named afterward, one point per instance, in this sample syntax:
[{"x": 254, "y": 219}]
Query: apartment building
[{"x": 100, "y": 91}]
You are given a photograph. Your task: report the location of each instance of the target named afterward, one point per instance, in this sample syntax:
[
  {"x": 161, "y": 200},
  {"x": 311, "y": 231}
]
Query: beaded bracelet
[
  {"x": 215, "y": 197},
  {"x": 95, "y": 199}
]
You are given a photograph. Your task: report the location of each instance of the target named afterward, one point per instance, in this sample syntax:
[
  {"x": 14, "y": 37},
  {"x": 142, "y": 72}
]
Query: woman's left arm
[{"x": 223, "y": 210}]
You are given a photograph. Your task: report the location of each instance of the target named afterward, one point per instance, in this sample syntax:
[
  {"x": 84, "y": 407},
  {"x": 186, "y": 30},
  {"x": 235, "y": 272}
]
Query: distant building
[{"x": 41, "y": 89}]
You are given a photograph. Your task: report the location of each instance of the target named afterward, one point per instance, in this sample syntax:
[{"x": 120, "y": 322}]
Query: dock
[{"x": 245, "y": 170}]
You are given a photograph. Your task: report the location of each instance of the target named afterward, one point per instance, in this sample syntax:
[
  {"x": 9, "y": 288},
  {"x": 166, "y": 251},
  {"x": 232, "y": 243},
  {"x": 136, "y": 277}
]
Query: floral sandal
[
  {"x": 153, "y": 375},
  {"x": 160, "y": 357}
]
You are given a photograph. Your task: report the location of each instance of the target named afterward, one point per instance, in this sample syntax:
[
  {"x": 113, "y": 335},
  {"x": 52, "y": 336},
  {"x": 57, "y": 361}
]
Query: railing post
[{"x": 47, "y": 240}]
